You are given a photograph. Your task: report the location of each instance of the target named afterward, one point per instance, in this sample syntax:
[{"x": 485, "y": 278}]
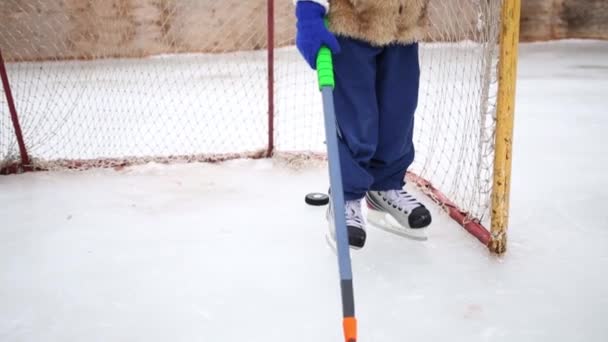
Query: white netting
[
  {"x": 456, "y": 119},
  {"x": 104, "y": 82},
  {"x": 108, "y": 82}
]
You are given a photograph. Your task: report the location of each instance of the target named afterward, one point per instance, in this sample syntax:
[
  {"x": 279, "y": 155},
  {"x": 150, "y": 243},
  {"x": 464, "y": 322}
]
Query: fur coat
[{"x": 379, "y": 22}]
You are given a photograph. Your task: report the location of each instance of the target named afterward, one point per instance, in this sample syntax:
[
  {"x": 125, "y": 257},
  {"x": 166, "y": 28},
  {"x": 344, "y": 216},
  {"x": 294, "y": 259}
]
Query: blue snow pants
[{"x": 376, "y": 96}]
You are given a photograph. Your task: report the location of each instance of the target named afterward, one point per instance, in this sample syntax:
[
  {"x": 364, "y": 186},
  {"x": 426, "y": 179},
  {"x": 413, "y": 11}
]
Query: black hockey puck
[{"x": 317, "y": 199}]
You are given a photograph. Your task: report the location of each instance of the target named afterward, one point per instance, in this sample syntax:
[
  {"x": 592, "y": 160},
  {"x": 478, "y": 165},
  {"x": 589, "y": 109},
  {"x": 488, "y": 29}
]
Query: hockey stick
[{"x": 325, "y": 73}]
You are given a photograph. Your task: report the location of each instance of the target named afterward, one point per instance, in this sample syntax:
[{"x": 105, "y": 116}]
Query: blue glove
[{"x": 312, "y": 33}]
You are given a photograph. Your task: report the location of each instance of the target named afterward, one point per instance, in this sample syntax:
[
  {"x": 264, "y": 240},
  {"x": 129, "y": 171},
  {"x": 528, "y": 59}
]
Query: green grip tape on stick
[{"x": 325, "y": 68}]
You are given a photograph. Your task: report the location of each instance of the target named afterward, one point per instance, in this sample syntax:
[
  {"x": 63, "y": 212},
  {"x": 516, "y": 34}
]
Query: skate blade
[
  {"x": 387, "y": 223},
  {"x": 332, "y": 244}
]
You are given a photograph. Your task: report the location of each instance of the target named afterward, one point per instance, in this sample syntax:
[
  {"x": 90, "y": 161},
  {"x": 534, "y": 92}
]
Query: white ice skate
[
  {"x": 354, "y": 224},
  {"x": 399, "y": 213}
]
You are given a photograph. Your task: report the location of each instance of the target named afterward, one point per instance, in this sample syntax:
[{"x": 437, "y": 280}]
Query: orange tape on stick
[{"x": 350, "y": 329}]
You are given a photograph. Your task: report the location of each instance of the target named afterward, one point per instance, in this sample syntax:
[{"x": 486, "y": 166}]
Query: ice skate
[
  {"x": 398, "y": 212},
  {"x": 355, "y": 225}
]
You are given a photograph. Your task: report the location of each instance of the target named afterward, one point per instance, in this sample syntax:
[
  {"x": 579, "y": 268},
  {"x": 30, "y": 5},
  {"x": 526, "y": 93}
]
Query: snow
[{"x": 230, "y": 252}]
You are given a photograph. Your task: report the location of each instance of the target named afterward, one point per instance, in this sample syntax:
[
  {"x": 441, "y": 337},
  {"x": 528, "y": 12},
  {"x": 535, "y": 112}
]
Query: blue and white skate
[
  {"x": 398, "y": 212},
  {"x": 354, "y": 224}
]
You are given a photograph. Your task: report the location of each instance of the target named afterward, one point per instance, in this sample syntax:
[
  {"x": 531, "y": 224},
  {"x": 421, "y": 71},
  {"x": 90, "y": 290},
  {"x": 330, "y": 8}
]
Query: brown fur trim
[{"x": 380, "y": 22}]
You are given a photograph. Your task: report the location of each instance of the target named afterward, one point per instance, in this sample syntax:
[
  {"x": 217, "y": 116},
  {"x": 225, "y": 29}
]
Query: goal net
[{"x": 107, "y": 83}]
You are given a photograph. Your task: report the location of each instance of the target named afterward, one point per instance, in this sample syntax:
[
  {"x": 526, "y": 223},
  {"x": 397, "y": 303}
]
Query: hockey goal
[{"x": 107, "y": 83}]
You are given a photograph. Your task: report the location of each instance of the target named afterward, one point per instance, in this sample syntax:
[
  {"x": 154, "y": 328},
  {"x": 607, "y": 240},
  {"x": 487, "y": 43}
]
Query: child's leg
[
  {"x": 356, "y": 113},
  {"x": 397, "y": 91}
]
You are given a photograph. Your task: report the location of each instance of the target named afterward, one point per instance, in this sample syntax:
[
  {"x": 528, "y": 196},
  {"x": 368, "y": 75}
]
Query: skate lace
[
  {"x": 353, "y": 213},
  {"x": 403, "y": 200}
]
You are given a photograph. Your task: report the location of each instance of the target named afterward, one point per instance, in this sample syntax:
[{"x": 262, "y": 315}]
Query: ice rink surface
[{"x": 230, "y": 252}]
